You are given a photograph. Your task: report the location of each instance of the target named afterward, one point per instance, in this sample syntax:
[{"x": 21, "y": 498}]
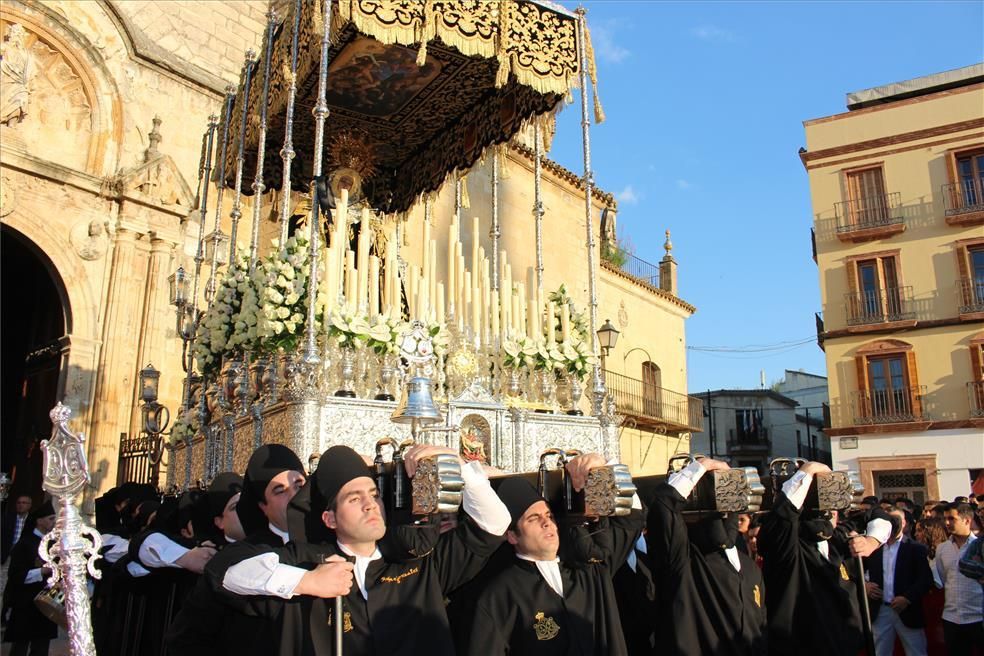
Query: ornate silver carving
[
  {"x": 71, "y": 548},
  {"x": 258, "y": 186}
]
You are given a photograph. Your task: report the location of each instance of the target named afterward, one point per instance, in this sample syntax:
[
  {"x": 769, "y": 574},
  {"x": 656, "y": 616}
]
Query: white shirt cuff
[
  {"x": 481, "y": 502},
  {"x": 797, "y": 487},
  {"x": 263, "y": 575},
  {"x": 159, "y": 551},
  {"x": 880, "y": 529},
  {"x": 33, "y": 576},
  {"x": 117, "y": 547},
  {"x": 136, "y": 570},
  {"x": 686, "y": 479}
]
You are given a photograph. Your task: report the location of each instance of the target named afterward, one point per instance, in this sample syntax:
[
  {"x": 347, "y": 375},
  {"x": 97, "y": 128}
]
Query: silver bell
[{"x": 416, "y": 406}]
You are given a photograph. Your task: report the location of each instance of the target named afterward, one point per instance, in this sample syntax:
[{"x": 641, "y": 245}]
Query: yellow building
[{"x": 896, "y": 185}]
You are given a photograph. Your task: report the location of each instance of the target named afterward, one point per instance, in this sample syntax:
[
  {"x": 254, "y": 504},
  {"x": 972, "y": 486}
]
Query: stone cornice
[
  {"x": 565, "y": 174},
  {"x": 662, "y": 293}
]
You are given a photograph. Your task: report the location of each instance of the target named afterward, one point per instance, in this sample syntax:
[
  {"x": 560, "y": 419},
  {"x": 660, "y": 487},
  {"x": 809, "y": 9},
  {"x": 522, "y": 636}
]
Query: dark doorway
[{"x": 32, "y": 323}]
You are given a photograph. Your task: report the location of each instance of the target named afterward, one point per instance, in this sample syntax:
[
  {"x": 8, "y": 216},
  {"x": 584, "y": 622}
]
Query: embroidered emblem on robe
[
  {"x": 346, "y": 620},
  {"x": 546, "y": 628},
  {"x": 757, "y": 594},
  {"x": 844, "y": 573}
]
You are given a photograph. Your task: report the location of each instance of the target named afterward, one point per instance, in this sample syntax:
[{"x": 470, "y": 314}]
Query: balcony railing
[
  {"x": 976, "y": 392},
  {"x": 888, "y": 406},
  {"x": 749, "y": 441},
  {"x": 879, "y": 306},
  {"x": 630, "y": 265},
  {"x": 963, "y": 197},
  {"x": 655, "y": 404},
  {"x": 868, "y": 212},
  {"x": 971, "y": 295},
  {"x": 820, "y": 331}
]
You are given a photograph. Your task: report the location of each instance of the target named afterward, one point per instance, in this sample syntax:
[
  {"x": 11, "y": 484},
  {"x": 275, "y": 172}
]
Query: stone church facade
[{"x": 104, "y": 104}]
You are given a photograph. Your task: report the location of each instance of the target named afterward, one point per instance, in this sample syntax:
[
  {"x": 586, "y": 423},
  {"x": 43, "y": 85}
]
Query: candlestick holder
[
  {"x": 387, "y": 374},
  {"x": 346, "y": 373},
  {"x": 577, "y": 391}
]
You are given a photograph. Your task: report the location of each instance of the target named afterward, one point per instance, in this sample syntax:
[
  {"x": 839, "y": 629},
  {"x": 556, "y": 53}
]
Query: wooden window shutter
[
  {"x": 863, "y": 405},
  {"x": 910, "y": 360},
  {"x": 977, "y": 361},
  {"x": 962, "y": 266}
]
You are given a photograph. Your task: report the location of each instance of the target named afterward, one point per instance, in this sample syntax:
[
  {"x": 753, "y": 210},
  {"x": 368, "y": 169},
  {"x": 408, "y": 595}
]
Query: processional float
[{"x": 373, "y": 108}]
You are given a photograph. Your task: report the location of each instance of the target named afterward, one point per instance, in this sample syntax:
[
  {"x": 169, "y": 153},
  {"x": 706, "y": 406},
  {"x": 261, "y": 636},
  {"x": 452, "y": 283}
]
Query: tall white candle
[
  {"x": 439, "y": 305},
  {"x": 373, "y": 285},
  {"x": 565, "y": 322}
]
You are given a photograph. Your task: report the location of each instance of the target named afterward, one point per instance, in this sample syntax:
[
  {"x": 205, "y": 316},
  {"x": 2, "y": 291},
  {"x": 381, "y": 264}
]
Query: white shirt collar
[
  {"x": 549, "y": 570},
  {"x": 38, "y": 533},
  {"x": 361, "y": 565},
  {"x": 283, "y": 535}
]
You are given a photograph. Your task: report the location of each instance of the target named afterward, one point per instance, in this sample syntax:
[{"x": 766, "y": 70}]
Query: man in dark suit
[
  {"x": 28, "y": 628},
  {"x": 15, "y": 524},
  {"x": 898, "y": 577}
]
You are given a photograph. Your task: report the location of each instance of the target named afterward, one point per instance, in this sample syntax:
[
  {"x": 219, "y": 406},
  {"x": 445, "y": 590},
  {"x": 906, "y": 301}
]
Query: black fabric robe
[
  {"x": 208, "y": 624},
  {"x": 813, "y": 602},
  {"x": 519, "y": 613},
  {"x": 26, "y": 621},
  {"x": 703, "y": 605},
  {"x": 635, "y": 592},
  {"x": 404, "y": 614}
]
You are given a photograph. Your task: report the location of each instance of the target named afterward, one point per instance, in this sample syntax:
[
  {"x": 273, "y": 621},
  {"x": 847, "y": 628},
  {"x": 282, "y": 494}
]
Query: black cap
[
  {"x": 338, "y": 465},
  {"x": 224, "y": 486},
  {"x": 46, "y": 509},
  {"x": 265, "y": 463},
  {"x": 518, "y": 494}
]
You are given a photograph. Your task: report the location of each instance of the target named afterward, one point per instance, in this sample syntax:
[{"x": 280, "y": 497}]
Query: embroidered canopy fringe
[{"x": 392, "y": 22}]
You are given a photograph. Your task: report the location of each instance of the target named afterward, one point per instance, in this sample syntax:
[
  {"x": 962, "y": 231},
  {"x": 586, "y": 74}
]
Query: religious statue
[{"x": 16, "y": 71}]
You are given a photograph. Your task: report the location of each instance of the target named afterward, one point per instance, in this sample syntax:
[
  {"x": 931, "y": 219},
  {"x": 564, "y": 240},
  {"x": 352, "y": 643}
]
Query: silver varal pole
[
  {"x": 71, "y": 548},
  {"x": 320, "y": 112},
  {"x": 494, "y": 232},
  {"x": 258, "y": 186},
  {"x": 598, "y": 384},
  {"x": 220, "y": 189},
  {"x": 287, "y": 151},
  {"x": 237, "y": 196},
  {"x": 538, "y": 203}
]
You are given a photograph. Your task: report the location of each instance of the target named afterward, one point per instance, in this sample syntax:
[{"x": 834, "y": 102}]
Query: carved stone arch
[
  {"x": 72, "y": 95},
  {"x": 884, "y": 346}
]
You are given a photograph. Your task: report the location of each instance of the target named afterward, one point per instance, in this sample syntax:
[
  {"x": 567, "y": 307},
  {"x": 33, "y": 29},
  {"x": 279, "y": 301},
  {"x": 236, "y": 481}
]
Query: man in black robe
[
  {"x": 26, "y": 576},
  {"x": 810, "y": 570},
  {"x": 211, "y": 623},
  {"x": 393, "y": 607},
  {"x": 710, "y": 598},
  {"x": 541, "y": 605}
]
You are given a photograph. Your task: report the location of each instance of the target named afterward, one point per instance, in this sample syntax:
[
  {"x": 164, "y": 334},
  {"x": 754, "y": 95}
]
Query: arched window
[{"x": 652, "y": 389}]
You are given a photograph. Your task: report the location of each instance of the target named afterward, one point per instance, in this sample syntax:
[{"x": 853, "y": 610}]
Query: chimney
[{"x": 668, "y": 269}]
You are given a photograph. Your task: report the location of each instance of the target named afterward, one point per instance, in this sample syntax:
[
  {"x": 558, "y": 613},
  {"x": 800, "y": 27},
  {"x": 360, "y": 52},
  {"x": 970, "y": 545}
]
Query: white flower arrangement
[
  {"x": 384, "y": 334},
  {"x": 519, "y": 353},
  {"x": 216, "y": 335},
  {"x": 185, "y": 427},
  {"x": 281, "y": 302},
  {"x": 548, "y": 357},
  {"x": 350, "y": 329},
  {"x": 577, "y": 358}
]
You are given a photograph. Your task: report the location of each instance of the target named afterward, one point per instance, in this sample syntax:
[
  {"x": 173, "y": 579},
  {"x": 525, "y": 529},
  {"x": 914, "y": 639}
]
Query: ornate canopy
[{"x": 416, "y": 89}]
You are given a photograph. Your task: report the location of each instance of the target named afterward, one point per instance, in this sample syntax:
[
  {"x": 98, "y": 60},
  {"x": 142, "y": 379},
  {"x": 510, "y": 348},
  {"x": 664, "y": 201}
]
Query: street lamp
[
  {"x": 155, "y": 416},
  {"x": 179, "y": 283},
  {"x": 217, "y": 247},
  {"x": 607, "y": 337}
]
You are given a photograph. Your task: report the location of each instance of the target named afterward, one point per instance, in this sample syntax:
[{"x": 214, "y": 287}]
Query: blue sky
[{"x": 705, "y": 103}]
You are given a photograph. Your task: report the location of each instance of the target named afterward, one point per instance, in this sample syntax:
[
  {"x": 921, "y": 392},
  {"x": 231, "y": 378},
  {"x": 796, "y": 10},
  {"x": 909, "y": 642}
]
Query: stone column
[{"x": 115, "y": 378}]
